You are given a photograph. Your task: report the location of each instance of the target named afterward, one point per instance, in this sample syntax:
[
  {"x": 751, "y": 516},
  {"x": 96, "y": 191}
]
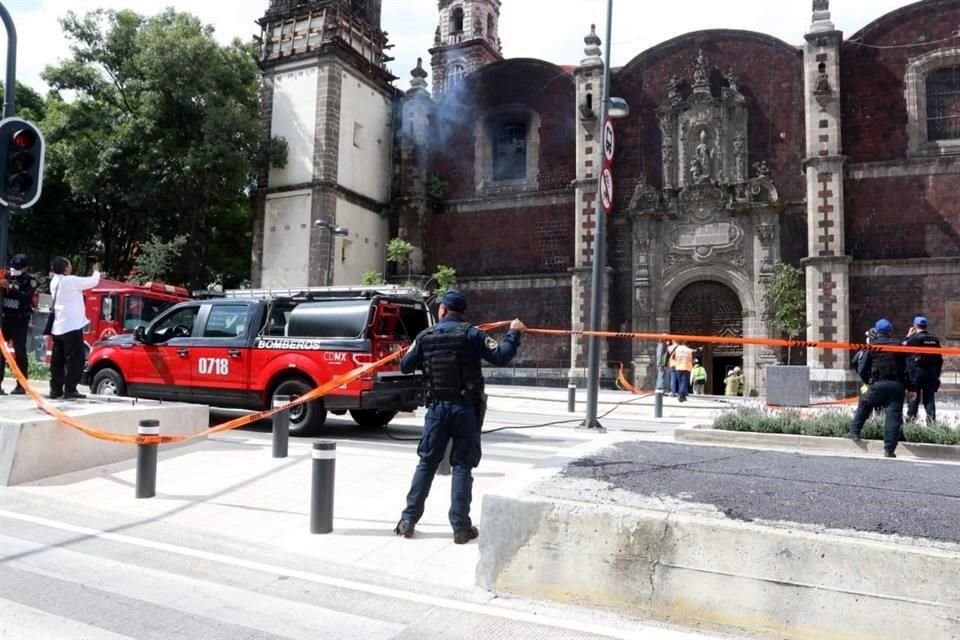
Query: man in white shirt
[{"x": 69, "y": 319}]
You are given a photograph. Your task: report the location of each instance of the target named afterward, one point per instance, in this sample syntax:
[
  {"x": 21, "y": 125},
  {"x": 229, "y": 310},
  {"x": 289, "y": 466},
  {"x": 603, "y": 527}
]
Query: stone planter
[{"x": 788, "y": 386}]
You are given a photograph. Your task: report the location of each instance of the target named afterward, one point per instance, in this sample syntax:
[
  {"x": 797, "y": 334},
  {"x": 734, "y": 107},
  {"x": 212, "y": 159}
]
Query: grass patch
[{"x": 833, "y": 424}]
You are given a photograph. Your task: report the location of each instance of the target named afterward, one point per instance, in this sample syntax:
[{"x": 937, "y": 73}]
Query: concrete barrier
[
  {"x": 580, "y": 541},
  {"x": 33, "y": 445}
]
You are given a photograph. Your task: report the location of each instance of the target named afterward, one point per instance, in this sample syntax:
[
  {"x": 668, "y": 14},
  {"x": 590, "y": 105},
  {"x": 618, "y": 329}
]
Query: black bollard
[
  {"x": 572, "y": 397},
  {"x": 147, "y": 460},
  {"x": 658, "y": 404},
  {"x": 281, "y": 427},
  {"x": 321, "y": 495}
]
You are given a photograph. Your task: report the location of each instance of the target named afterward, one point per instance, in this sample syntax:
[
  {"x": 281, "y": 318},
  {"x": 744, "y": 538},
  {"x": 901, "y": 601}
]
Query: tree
[
  {"x": 785, "y": 295},
  {"x": 398, "y": 251},
  {"x": 372, "y": 278},
  {"x": 161, "y": 139},
  {"x": 445, "y": 277},
  {"x": 156, "y": 259}
]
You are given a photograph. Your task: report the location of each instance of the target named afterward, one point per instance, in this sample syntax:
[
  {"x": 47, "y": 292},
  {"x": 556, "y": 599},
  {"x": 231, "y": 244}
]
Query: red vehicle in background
[{"x": 115, "y": 307}]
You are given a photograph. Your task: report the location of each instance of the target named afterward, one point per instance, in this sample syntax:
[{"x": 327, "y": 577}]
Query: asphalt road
[{"x": 906, "y": 498}]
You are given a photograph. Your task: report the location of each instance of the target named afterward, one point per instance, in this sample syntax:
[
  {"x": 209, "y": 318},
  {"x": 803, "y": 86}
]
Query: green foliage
[
  {"x": 833, "y": 424},
  {"x": 277, "y": 151},
  {"x": 156, "y": 259},
  {"x": 372, "y": 278},
  {"x": 39, "y": 370},
  {"x": 398, "y": 251},
  {"x": 785, "y": 295},
  {"x": 445, "y": 277},
  {"x": 436, "y": 188},
  {"x": 161, "y": 138}
]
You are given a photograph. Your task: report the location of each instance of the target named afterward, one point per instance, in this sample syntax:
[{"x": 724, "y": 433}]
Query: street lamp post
[
  {"x": 333, "y": 232},
  {"x": 612, "y": 108}
]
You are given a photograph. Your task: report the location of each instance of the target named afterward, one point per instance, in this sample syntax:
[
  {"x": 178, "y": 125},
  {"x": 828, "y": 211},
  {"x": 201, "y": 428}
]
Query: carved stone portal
[{"x": 709, "y": 215}]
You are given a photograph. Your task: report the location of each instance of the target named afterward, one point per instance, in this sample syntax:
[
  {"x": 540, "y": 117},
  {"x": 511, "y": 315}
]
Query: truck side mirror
[{"x": 140, "y": 334}]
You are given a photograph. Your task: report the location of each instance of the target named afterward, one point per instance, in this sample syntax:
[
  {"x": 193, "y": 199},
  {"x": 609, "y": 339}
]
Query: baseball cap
[
  {"x": 19, "y": 261},
  {"x": 883, "y": 326},
  {"x": 920, "y": 321},
  {"x": 454, "y": 301}
]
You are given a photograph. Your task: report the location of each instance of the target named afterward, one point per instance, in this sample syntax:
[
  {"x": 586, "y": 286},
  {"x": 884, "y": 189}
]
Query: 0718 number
[{"x": 214, "y": 366}]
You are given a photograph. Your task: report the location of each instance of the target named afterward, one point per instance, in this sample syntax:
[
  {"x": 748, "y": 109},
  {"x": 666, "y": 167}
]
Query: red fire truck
[{"x": 115, "y": 307}]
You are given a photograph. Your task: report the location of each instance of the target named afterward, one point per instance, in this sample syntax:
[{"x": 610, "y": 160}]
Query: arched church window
[
  {"x": 456, "y": 20},
  {"x": 454, "y": 75},
  {"x": 943, "y": 104},
  {"x": 510, "y": 150}
]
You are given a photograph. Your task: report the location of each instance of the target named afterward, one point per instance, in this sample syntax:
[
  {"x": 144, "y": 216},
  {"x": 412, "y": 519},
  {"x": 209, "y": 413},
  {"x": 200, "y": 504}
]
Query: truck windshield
[{"x": 140, "y": 310}]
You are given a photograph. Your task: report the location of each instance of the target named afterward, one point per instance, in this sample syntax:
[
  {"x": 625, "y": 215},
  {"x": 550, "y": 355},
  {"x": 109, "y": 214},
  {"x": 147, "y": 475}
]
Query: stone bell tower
[
  {"x": 327, "y": 95},
  {"x": 467, "y": 38}
]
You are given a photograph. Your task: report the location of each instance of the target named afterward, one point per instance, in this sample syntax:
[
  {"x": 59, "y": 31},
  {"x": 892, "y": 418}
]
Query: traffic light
[{"x": 21, "y": 161}]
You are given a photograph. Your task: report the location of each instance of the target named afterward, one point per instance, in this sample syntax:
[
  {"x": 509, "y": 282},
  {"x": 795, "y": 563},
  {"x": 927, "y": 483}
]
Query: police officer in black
[
  {"x": 450, "y": 354},
  {"x": 885, "y": 372},
  {"x": 17, "y": 293},
  {"x": 923, "y": 371}
]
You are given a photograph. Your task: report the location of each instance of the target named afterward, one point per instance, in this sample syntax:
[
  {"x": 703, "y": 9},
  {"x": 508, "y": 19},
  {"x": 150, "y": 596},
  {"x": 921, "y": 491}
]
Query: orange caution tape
[{"x": 350, "y": 376}]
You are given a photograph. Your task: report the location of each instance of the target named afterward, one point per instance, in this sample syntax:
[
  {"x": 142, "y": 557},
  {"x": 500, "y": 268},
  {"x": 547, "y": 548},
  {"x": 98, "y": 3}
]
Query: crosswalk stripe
[
  {"x": 20, "y": 622},
  {"x": 223, "y": 603}
]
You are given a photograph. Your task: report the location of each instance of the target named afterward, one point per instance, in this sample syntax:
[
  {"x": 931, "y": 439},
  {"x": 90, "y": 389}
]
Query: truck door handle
[
  {"x": 183, "y": 352},
  {"x": 234, "y": 353}
]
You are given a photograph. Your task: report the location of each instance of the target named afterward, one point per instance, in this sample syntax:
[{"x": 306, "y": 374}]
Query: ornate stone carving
[
  {"x": 733, "y": 81},
  {"x": 740, "y": 158},
  {"x": 703, "y": 241},
  {"x": 673, "y": 90},
  {"x": 666, "y": 151},
  {"x": 701, "y": 167},
  {"x": 767, "y": 234},
  {"x": 701, "y": 75},
  {"x": 645, "y": 197},
  {"x": 761, "y": 169}
]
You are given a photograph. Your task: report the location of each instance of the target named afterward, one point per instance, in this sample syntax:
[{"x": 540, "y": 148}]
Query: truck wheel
[
  {"x": 305, "y": 419},
  {"x": 372, "y": 418},
  {"x": 108, "y": 382}
]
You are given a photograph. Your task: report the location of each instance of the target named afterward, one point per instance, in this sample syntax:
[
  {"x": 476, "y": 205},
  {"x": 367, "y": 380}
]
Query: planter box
[{"x": 788, "y": 386}]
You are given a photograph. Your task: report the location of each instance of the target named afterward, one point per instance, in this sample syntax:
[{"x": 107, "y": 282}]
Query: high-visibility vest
[{"x": 684, "y": 358}]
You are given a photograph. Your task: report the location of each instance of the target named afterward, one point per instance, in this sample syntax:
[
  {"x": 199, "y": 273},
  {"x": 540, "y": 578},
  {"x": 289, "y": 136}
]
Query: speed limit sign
[
  {"x": 606, "y": 189},
  {"x": 609, "y": 142}
]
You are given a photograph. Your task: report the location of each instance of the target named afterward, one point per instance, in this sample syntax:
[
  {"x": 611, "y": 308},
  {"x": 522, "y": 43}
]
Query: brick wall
[
  {"x": 770, "y": 74},
  {"x": 903, "y": 217},
  {"x": 527, "y": 240},
  {"x": 874, "y": 106},
  {"x": 540, "y": 86}
]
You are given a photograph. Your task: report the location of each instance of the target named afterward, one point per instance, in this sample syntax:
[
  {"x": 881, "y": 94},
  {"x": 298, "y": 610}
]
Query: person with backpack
[{"x": 885, "y": 372}]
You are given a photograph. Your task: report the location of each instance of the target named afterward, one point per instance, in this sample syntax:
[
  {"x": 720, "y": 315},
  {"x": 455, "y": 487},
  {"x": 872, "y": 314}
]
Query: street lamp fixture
[
  {"x": 334, "y": 231},
  {"x": 618, "y": 108}
]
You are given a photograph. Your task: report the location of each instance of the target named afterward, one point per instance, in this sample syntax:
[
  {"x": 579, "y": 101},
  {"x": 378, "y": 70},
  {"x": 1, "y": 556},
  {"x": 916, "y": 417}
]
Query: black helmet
[{"x": 19, "y": 261}]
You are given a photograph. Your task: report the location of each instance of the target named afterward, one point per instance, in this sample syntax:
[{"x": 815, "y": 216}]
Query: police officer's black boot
[
  {"x": 404, "y": 528},
  {"x": 463, "y": 536}
]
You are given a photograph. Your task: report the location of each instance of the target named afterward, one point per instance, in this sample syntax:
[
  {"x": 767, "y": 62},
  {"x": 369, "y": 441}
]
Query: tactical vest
[
  {"x": 885, "y": 365},
  {"x": 452, "y": 373},
  {"x": 926, "y": 360}
]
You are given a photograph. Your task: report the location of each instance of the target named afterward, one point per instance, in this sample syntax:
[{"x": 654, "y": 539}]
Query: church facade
[{"x": 840, "y": 156}]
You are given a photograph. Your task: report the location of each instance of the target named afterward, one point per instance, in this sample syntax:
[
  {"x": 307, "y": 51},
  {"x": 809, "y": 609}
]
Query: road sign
[
  {"x": 606, "y": 189},
  {"x": 609, "y": 142}
]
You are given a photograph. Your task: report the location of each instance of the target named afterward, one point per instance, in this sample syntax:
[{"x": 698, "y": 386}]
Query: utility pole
[
  {"x": 9, "y": 110},
  {"x": 599, "y": 246}
]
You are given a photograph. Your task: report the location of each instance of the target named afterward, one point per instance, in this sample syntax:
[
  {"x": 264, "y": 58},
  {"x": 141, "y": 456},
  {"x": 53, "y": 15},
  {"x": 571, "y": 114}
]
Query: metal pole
[
  {"x": 9, "y": 109},
  {"x": 281, "y": 427},
  {"x": 658, "y": 404},
  {"x": 147, "y": 460},
  {"x": 330, "y": 259},
  {"x": 321, "y": 494},
  {"x": 571, "y": 396},
  {"x": 599, "y": 240}
]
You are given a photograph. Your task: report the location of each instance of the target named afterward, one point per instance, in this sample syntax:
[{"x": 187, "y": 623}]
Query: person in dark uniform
[
  {"x": 923, "y": 371},
  {"x": 885, "y": 372},
  {"x": 450, "y": 354},
  {"x": 18, "y": 291}
]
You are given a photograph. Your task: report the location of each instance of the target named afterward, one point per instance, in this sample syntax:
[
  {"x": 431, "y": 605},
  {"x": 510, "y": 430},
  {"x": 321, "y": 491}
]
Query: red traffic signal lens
[{"x": 23, "y": 139}]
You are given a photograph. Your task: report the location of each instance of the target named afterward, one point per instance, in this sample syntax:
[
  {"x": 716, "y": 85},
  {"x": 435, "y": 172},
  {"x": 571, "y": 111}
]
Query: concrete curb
[
  {"x": 693, "y": 569},
  {"x": 815, "y": 443}
]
